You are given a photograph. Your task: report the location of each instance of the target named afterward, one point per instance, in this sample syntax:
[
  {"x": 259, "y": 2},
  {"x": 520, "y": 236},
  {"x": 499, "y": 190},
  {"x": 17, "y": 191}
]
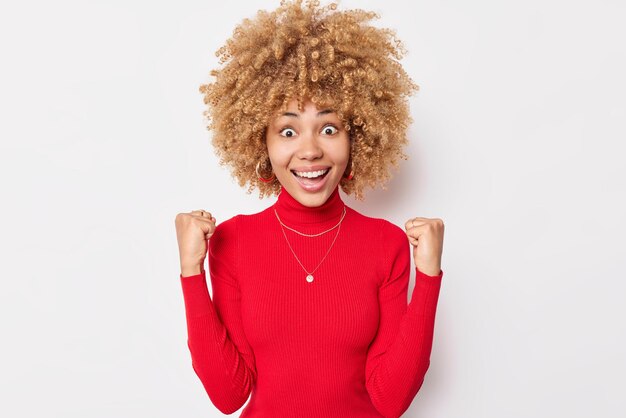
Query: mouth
[{"x": 312, "y": 184}]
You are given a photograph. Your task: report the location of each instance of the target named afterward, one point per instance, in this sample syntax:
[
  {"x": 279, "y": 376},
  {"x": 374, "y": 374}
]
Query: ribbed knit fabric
[{"x": 346, "y": 345}]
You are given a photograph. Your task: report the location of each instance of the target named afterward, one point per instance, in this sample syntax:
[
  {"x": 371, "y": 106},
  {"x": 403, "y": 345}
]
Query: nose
[{"x": 309, "y": 148}]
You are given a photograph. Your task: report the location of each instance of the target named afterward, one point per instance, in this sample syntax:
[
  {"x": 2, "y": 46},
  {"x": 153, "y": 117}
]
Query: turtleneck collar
[{"x": 292, "y": 212}]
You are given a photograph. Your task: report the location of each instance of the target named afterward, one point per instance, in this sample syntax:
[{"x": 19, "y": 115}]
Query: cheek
[
  {"x": 279, "y": 156},
  {"x": 341, "y": 153}
]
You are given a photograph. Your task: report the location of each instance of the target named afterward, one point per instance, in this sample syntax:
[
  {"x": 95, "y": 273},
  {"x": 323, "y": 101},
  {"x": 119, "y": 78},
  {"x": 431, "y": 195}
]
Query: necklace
[
  {"x": 309, "y": 277},
  {"x": 313, "y": 235}
]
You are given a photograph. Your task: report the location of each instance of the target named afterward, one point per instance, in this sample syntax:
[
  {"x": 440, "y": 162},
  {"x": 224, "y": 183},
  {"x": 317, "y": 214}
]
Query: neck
[{"x": 292, "y": 212}]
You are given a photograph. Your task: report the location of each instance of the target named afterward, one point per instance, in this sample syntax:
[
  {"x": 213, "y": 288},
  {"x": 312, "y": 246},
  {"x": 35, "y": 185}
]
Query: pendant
[{"x": 309, "y": 278}]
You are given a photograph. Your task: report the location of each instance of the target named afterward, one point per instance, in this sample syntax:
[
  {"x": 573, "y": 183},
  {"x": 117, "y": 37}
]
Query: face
[{"x": 307, "y": 142}]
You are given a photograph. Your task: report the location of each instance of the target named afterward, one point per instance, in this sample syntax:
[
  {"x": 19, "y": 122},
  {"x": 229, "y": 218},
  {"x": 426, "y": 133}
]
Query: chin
[
  {"x": 317, "y": 199},
  {"x": 311, "y": 198}
]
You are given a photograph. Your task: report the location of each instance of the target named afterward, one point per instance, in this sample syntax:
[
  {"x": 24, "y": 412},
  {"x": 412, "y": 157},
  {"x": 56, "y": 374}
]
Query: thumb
[{"x": 208, "y": 234}]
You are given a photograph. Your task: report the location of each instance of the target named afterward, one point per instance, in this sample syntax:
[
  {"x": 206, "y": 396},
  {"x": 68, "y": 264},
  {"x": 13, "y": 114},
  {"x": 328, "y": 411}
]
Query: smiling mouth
[
  {"x": 310, "y": 181},
  {"x": 320, "y": 176}
]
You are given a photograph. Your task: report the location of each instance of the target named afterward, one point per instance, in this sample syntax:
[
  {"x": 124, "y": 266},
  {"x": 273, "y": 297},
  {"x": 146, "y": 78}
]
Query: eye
[
  {"x": 331, "y": 126},
  {"x": 286, "y": 129},
  {"x": 325, "y": 130}
]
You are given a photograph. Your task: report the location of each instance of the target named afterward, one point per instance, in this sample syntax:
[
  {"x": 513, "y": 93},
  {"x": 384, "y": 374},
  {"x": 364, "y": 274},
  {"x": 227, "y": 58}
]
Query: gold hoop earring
[{"x": 264, "y": 180}]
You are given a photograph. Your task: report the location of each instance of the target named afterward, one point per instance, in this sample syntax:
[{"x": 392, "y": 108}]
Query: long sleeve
[
  {"x": 220, "y": 353},
  {"x": 399, "y": 357}
]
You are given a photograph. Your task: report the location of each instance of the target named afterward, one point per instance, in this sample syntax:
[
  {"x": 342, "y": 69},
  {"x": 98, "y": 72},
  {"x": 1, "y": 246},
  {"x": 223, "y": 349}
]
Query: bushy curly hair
[{"x": 319, "y": 54}]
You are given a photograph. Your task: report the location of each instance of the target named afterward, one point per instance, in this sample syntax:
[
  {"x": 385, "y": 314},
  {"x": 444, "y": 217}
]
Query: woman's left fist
[{"x": 426, "y": 236}]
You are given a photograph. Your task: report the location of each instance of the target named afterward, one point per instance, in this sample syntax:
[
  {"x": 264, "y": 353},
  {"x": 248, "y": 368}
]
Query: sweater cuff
[
  {"x": 423, "y": 276},
  {"x": 196, "y": 294}
]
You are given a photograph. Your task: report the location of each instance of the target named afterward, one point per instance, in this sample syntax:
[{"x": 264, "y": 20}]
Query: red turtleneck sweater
[{"x": 344, "y": 345}]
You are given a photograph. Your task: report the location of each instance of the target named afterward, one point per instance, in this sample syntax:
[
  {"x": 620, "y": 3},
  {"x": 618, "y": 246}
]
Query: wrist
[
  {"x": 191, "y": 269},
  {"x": 430, "y": 271}
]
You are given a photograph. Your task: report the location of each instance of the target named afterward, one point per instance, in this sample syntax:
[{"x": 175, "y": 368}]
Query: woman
[{"x": 309, "y": 297}]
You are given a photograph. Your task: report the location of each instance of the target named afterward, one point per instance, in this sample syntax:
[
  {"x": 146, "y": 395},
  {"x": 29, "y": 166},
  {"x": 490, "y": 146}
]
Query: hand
[
  {"x": 426, "y": 236},
  {"x": 193, "y": 229}
]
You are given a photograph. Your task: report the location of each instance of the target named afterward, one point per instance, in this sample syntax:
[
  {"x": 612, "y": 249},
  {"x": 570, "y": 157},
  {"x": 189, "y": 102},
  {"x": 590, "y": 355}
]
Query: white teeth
[{"x": 311, "y": 174}]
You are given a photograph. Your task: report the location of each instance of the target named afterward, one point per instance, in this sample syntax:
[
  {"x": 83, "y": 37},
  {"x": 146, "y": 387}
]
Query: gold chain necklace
[
  {"x": 313, "y": 235},
  {"x": 309, "y": 277}
]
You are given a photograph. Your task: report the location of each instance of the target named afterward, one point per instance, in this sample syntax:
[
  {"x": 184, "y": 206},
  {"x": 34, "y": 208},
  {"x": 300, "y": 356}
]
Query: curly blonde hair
[{"x": 317, "y": 54}]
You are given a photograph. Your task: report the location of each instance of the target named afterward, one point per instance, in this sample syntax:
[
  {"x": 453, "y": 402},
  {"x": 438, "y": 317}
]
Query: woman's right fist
[{"x": 193, "y": 229}]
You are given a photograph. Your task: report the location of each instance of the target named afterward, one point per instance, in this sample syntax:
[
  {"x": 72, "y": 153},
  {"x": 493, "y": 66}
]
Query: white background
[{"x": 517, "y": 144}]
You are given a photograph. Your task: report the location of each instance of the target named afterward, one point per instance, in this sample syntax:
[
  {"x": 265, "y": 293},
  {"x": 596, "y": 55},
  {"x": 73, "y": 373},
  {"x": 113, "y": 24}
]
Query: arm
[
  {"x": 221, "y": 356},
  {"x": 399, "y": 357}
]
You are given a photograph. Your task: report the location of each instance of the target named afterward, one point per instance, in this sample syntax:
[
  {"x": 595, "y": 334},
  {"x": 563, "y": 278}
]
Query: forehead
[
  {"x": 309, "y": 108},
  {"x": 295, "y": 114}
]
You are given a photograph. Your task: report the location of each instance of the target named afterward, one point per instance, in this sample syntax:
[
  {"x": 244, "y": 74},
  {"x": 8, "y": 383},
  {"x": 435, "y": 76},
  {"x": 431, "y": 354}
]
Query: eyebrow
[{"x": 323, "y": 112}]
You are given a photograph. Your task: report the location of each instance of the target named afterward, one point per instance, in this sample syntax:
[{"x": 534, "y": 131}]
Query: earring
[
  {"x": 264, "y": 180},
  {"x": 351, "y": 175}
]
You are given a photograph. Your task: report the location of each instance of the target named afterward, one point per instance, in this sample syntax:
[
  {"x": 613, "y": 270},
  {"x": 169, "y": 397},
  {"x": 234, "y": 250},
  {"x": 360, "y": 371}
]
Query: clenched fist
[
  {"x": 193, "y": 229},
  {"x": 426, "y": 237}
]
